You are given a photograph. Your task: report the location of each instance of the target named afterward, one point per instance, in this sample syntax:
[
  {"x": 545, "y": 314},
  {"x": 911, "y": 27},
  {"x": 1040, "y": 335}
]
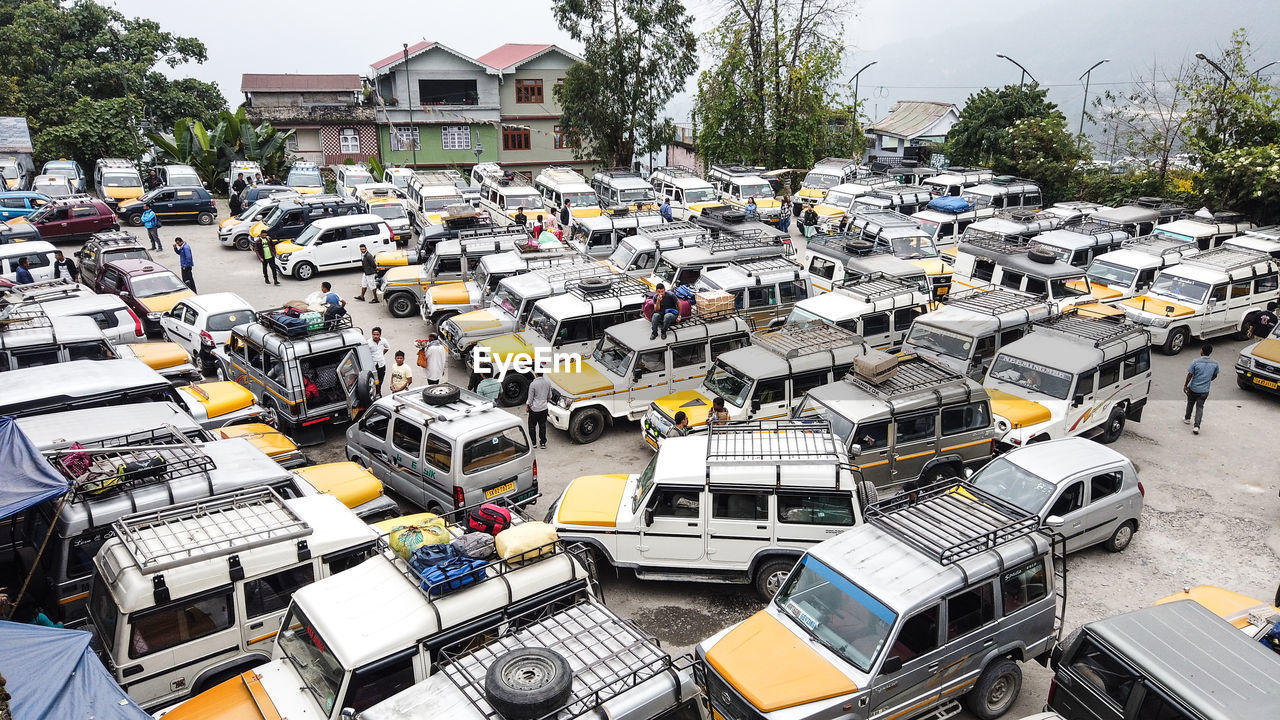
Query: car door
[
  {"x": 265, "y": 598},
  {"x": 84, "y": 221},
  {"x": 406, "y": 474},
  {"x": 869, "y": 446},
  {"x": 1068, "y": 509},
  {"x": 371, "y": 442},
  {"x": 739, "y": 526},
  {"x": 769, "y": 399},
  {"x": 915, "y": 650},
  {"x": 1215, "y": 311},
  {"x": 183, "y": 206},
  {"x": 1105, "y": 507},
  {"x": 162, "y": 204},
  {"x": 179, "y": 326},
  {"x": 672, "y": 525},
  {"x": 915, "y": 443},
  {"x": 876, "y": 329},
  {"x": 807, "y": 517},
  {"x": 649, "y": 378},
  {"x": 968, "y": 632},
  {"x": 349, "y": 378}
]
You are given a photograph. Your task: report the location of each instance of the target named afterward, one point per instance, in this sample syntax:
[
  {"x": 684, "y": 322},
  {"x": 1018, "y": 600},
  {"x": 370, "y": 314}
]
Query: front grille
[
  {"x": 726, "y": 700},
  {"x": 1266, "y": 367}
]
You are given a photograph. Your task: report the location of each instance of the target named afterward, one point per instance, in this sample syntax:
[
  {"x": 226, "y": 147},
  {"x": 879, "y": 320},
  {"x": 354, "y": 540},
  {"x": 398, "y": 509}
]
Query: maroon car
[
  {"x": 71, "y": 219},
  {"x": 148, "y": 288}
]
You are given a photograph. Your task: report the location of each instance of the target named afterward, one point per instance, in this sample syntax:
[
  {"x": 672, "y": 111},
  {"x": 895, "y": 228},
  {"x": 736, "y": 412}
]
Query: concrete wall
[
  {"x": 285, "y": 99},
  {"x": 432, "y": 152}
]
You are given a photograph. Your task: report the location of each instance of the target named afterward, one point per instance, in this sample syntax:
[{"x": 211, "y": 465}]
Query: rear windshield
[
  {"x": 219, "y": 322},
  {"x": 124, "y": 179},
  {"x": 126, "y": 254},
  {"x": 493, "y": 450}
]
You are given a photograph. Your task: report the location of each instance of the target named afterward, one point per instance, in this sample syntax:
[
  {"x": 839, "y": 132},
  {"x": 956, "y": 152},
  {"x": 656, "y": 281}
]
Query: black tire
[
  {"x": 996, "y": 690},
  {"x": 366, "y": 390},
  {"x": 1246, "y": 327},
  {"x": 515, "y": 390},
  {"x": 401, "y": 305},
  {"x": 220, "y": 677},
  {"x": 1277, "y": 602},
  {"x": 443, "y": 317},
  {"x": 280, "y": 412},
  {"x": 937, "y": 473},
  {"x": 1114, "y": 428},
  {"x": 1121, "y": 538},
  {"x": 242, "y": 242},
  {"x": 867, "y": 494},
  {"x": 771, "y": 575},
  {"x": 220, "y": 373},
  {"x": 442, "y": 394},
  {"x": 1042, "y": 256},
  {"x": 1176, "y": 341},
  {"x": 528, "y": 683},
  {"x": 205, "y": 218},
  {"x": 595, "y": 284},
  {"x": 134, "y": 219},
  {"x": 587, "y": 425},
  {"x": 304, "y": 271},
  {"x": 1064, "y": 646}
]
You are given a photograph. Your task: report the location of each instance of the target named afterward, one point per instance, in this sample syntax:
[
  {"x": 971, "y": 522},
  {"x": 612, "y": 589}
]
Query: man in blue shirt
[
  {"x": 24, "y": 273},
  {"x": 665, "y": 210},
  {"x": 1203, "y": 371},
  {"x": 183, "y": 250},
  {"x": 335, "y": 306}
]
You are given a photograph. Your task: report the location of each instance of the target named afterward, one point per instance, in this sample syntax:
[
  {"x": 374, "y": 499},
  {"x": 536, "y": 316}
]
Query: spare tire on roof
[
  {"x": 595, "y": 284},
  {"x": 1042, "y": 256},
  {"x": 441, "y": 394},
  {"x": 529, "y": 682}
]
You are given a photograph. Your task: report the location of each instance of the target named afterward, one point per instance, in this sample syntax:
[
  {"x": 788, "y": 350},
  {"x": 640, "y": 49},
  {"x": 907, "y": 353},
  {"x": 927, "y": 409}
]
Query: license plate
[
  {"x": 495, "y": 492},
  {"x": 715, "y": 714},
  {"x": 1266, "y": 383}
]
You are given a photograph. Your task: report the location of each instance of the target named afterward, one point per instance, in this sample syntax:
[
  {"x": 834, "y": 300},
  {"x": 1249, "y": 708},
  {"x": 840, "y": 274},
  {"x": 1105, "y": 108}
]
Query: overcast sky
[{"x": 924, "y": 50}]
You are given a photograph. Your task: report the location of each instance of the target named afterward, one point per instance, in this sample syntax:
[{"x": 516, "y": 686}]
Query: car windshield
[
  {"x": 9, "y": 171},
  {"x": 309, "y": 234},
  {"x": 1068, "y": 287},
  {"x": 763, "y": 191},
  {"x": 1031, "y": 376},
  {"x": 306, "y": 649},
  {"x": 699, "y": 195},
  {"x": 127, "y": 253},
  {"x": 161, "y": 283},
  {"x": 913, "y": 248},
  {"x": 183, "y": 179},
  {"x": 835, "y": 612},
  {"x": 938, "y": 340},
  {"x": 622, "y": 256},
  {"x": 528, "y": 198},
  {"x": 728, "y": 383},
  {"x": 820, "y": 181},
  {"x": 221, "y": 322},
  {"x": 1106, "y": 273},
  {"x": 304, "y": 178},
  {"x": 636, "y": 195},
  {"x": 665, "y": 271},
  {"x": 643, "y": 483},
  {"x": 800, "y": 315},
  {"x": 249, "y": 212},
  {"x": 1013, "y": 484},
  {"x": 353, "y": 179},
  {"x": 54, "y": 190},
  {"x": 389, "y": 211},
  {"x": 839, "y": 199},
  {"x": 483, "y": 277},
  {"x": 507, "y": 299},
  {"x": 122, "y": 179},
  {"x": 812, "y": 409},
  {"x": 543, "y": 324},
  {"x": 65, "y": 171},
  {"x": 582, "y": 199},
  {"x": 437, "y": 204},
  {"x": 40, "y": 214},
  {"x": 1186, "y": 289},
  {"x": 614, "y": 355}
]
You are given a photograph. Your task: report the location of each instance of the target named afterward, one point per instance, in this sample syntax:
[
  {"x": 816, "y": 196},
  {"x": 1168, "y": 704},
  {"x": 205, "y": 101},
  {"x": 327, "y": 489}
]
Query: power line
[{"x": 1043, "y": 85}]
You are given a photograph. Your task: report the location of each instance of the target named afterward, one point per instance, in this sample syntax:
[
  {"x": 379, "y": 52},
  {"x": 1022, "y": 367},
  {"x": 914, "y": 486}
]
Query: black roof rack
[
  {"x": 1085, "y": 226},
  {"x": 574, "y": 270},
  {"x": 952, "y": 520},
  {"x": 995, "y": 243},
  {"x": 269, "y": 320},
  {"x": 115, "y": 237},
  {"x": 24, "y": 318},
  {"x": 728, "y": 214},
  {"x": 790, "y": 442},
  {"x": 677, "y": 171},
  {"x": 1101, "y": 330},
  {"x": 1156, "y": 203},
  {"x": 113, "y": 467},
  {"x": 844, "y": 242},
  {"x": 1159, "y": 244},
  {"x": 737, "y": 169},
  {"x": 619, "y": 287},
  {"x": 815, "y": 336},
  {"x": 915, "y": 374},
  {"x": 875, "y": 285},
  {"x": 993, "y": 301},
  {"x": 1226, "y": 257},
  {"x": 489, "y": 231},
  {"x": 760, "y": 266},
  {"x": 680, "y": 228},
  {"x": 618, "y": 172}
]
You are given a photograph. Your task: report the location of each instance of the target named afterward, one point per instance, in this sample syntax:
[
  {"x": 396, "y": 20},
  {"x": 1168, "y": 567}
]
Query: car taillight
[
  {"x": 535, "y": 472},
  {"x": 459, "y": 499},
  {"x": 137, "y": 324},
  {"x": 1053, "y": 688},
  {"x": 206, "y": 338},
  {"x": 1141, "y": 490},
  {"x": 390, "y": 232}
]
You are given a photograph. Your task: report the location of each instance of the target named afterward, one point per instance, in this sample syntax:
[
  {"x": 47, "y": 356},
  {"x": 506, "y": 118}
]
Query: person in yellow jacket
[{"x": 267, "y": 254}]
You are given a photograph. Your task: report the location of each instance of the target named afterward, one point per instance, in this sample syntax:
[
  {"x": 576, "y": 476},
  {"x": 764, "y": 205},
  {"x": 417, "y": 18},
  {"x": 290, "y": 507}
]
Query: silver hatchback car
[{"x": 1084, "y": 490}]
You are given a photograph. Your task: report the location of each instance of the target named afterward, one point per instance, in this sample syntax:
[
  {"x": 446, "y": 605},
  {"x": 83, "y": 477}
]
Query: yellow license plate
[
  {"x": 715, "y": 714},
  {"x": 1266, "y": 383},
  {"x": 495, "y": 492}
]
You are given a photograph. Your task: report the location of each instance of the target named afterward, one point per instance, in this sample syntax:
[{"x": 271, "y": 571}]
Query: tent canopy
[
  {"x": 28, "y": 479},
  {"x": 52, "y": 674}
]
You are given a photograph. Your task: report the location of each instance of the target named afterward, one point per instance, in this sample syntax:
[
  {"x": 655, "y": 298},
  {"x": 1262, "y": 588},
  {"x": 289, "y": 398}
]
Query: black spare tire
[
  {"x": 595, "y": 284},
  {"x": 1041, "y": 256},
  {"x": 528, "y": 683},
  {"x": 442, "y": 394}
]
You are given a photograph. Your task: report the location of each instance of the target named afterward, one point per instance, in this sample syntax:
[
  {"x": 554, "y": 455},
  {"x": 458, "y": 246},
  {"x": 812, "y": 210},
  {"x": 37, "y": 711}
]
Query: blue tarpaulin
[
  {"x": 950, "y": 204},
  {"x": 52, "y": 674},
  {"x": 28, "y": 478}
]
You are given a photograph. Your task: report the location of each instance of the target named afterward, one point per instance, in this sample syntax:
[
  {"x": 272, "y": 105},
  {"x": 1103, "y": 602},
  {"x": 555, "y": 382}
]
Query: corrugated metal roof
[
  {"x": 261, "y": 82},
  {"x": 910, "y": 118},
  {"x": 505, "y": 56},
  {"x": 395, "y": 57}
]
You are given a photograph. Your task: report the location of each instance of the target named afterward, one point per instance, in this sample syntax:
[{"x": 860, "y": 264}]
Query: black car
[
  {"x": 19, "y": 232},
  {"x": 291, "y": 217},
  {"x": 172, "y": 204}
]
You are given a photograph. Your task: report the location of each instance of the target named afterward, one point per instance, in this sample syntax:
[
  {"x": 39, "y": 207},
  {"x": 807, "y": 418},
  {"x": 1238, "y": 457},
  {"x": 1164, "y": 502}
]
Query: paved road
[{"x": 1211, "y": 512}]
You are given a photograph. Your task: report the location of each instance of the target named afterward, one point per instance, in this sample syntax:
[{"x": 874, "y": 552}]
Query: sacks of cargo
[
  {"x": 713, "y": 303},
  {"x": 526, "y": 541},
  {"x": 425, "y": 529},
  {"x": 876, "y": 366}
]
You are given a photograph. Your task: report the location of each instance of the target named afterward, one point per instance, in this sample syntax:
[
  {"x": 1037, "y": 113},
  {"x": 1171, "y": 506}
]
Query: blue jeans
[
  {"x": 785, "y": 224},
  {"x": 662, "y": 321}
]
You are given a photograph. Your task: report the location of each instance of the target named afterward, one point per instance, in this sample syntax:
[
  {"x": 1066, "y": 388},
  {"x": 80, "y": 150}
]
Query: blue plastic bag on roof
[{"x": 950, "y": 204}]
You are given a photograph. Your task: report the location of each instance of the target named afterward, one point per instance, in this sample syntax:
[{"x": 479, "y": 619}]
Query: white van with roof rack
[
  {"x": 1260, "y": 239},
  {"x": 304, "y": 177},
  {"x": 684, "y": 265},
  {"x": 1073, "y": 374},
  {"x": 839, "y": 200},
  {"x": 826, "y": 174},
  {"x": 503, "y": 193},
  {"x": 764, "y": 380},
  {"x": 737, "y": 184},
  {"x": 559, "y": 183},
  {"x": 598, "y": 235},
  {"x": 906, "y": 199},
  {"x": 955, "y": 180},
  {"x": 623, "y": 188},
  {"x": 906, "y": 237},
  {"x": 1206, "y": 232},
  {"x": 443, "y": 301},
  {"x": 684, "y": 189},
  {"x": 763, "y": 290},
  {"x": 1211, "y": 293},
  {"x": 1078, "y": 243},
  {"x": 948, "y": 224},
  {"x": 738, "y": 504},
  {"x": 176, "y": 618},
  {"x": 1005, "y": 192},
  {"x": 430, "y": 193},
  {"x": 348, "y": 177},
  {"x": 1014, "y": 225},
  {"x": 638, "y": 255},
  {"x": 831, "y": 259},
  {"x": 1140, "y": 216},
  {"x": 878, "y": 307},
  {"x": 966, "y": 331},
  {"x": 404, "y": 288},
  {"x": 1129, "y": 271},
  {"x": 984, "y": 260}
]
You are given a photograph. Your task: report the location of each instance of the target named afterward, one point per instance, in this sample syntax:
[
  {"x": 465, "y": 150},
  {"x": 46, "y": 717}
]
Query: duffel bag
[
  {"x": 427, "y": 557},
  {"x": 457, "y": 574},
  {"x": 489, "y": 518},
  {"x": 475, "y": 545},
  {"x": 526, "y": 541}
]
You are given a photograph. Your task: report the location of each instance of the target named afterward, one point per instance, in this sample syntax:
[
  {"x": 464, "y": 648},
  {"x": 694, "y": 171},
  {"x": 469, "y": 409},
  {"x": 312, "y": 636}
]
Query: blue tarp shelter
[
  {"x": 28, "y": 478},
  {"x": 52, "y": 674}
]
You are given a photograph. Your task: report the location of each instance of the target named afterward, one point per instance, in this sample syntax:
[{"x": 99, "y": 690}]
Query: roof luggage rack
[
  {"x": 995, "y": 243},
  {"x": 952, "y": 520},
  {"x": 609, "y": 656},
  {"x": 993, "y": 301},
  {"x": 1159, "y": 244},
  {"x": 267, "y": 318},
  {"x": 873, "y": 286},
  {"x": 24, "y": 318},
  {"x": 1100, "y": 330},
  {"x": 572, "y": 271},
  {"x": 485, "y": 232},
  {"x": 743, "y": 240},
  {"x": 773, "y": 442},
  {"x": 113, "y": 467},
  {"x": 467, "y": 403},
  {"x": 791, "y": 341},
  {"x": 844, "y": 242},
  {"x": 115, "y": 237},
  {"x": 607, "y": 287},
  {"x": 42, "y": 290},
  {"x": 882, "y": 217},
  {"x": 1085, "y": 226},
  {"x": 1156, "y": 203},
  {"x": 677, "y": 171},
  {"x": 1226, "y": 257},
  {"x": 676, "y": 229},
  {"x": 760, "y": 266},
  {"x": 209, "y": 528},
  {"x": 914, "y": 374},
  {"x": 619, "y": 172}
]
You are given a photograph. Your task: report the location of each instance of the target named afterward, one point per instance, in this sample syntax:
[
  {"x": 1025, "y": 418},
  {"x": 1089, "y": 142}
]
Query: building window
[
  {"x": 529, "y": 91},
  {"x": 455, "y": 137},
  {"x": 515, "y": 138},
  {"x": 563, "y": 140},
  {"x": 404, "y": 138},
  {"x": 448, "y": 92},
  {"x": 349, "y": 139},
  {"x": 291, "y": 143}
]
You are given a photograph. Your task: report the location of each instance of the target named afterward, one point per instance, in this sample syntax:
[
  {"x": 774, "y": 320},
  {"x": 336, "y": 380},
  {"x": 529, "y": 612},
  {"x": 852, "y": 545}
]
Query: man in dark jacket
[
  {"x": 565, "y": 214},
  {"x": 665, "y": 312},
  {"x": 63, "y": 267}
]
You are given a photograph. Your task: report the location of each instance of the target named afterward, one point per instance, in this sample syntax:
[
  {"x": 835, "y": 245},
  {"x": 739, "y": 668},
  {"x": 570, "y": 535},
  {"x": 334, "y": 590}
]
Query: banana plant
[{"x": 227, "y": 138}]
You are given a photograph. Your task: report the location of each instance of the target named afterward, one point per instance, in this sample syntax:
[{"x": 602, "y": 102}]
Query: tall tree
[
  {"x": 637, "y": 55},
  {"x": 981, "y": 135},
  {"x": 773, "y": 95},
  {"x": 1149, "y": 119},
  {"x": 1042, "y": 149},
  {"x": 70, "y": 64}
]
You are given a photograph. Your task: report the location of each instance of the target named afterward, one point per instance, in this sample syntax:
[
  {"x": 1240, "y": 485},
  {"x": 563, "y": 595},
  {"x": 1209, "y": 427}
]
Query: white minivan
[
  {"x": 38, "y": 252},
  {"x": 333, "y": 244}
]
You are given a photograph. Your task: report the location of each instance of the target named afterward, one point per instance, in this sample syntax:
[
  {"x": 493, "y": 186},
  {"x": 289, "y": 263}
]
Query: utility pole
[
  {"x": 1084, "y": 104},
  {"x": 408, "y": 84},
  {"x": 856, "y": 125},
  {"x": 1226, "y": 78}
]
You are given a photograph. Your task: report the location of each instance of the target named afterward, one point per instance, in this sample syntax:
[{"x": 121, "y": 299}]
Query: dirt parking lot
[{"x": 1212, "y": 514}]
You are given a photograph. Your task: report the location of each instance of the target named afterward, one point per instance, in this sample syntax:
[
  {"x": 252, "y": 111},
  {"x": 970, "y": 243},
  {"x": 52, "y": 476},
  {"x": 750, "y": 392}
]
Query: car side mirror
[
  {"x": 1053, "y": 522},
  {"x": 891, "y": 665},
  {"x": 755, "y": 404},
  {"x": 635, "y": 374},
  {"x": 855, "y": 450},
  {"x": 124, "y": 293},
  {"x": 79, "y": 255},
  {"x": 648, "y": 516},
  {"x": 1078, "y": 400}
]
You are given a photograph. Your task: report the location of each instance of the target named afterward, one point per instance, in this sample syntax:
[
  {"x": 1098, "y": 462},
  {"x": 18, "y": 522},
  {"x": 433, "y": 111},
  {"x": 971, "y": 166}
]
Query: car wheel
[
  {"x": 1277, "y": 602},
  {"x": 442, "y": 318},
  {"x": 938, "y": 473},
  {"x": 134, "y": 220},
  {"x": 304, "y": 271},
  {"x": 1176, "y": 341},
  {"x": 242, "y": 242},
  {"x": 771, "y": 575},
  {"x": 996, "y": 690},
  {"x": 1121, "y": 538},
  {"x": 1114, "y": 427},
  {"x": 205, "y": 218},
  {"x": 515, "y": 390},
  {"x": 587, "y": 425},
  {"x": 220, "y": 373},
  {"x": 401, "y": 305},
  {"x": 527, "y": 683},
  {"x": 867, "y": 493}
]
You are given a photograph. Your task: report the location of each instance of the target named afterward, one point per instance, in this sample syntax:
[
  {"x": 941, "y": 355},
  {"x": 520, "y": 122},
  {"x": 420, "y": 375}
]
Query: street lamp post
[
  {"x": 1226, "y": 78},
  {"x": 854, "y": 80},
  {"x": 478, "y": 150},
  {"x": 1264, "y": 67},
  {"x": 1025, "y": 74},
  {"x": 1084, "y": 105},
  {"x": 408, "y": 87}
]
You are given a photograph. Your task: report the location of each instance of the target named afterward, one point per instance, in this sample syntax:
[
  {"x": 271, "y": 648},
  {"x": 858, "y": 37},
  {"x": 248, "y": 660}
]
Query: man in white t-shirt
[
  {"x": 379, "y": 349},
  {"x": 436, "y": 355}
]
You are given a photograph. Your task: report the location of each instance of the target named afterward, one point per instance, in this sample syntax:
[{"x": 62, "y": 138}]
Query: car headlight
[
  {"x": 1243, "y": 362},
  {"x": 284, "y": 257},
  {"x": 1161, "y": 322},
  {"x": 1002, "y": 425},
  {"x": 560, "y": 399},
  {"x": 154, "y": 316}
]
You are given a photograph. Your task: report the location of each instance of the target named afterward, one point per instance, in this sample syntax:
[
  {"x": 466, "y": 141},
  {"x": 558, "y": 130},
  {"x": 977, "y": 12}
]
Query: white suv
[
  {"x": 202, "y": 322},
  {"x": 333, "y": 244}
]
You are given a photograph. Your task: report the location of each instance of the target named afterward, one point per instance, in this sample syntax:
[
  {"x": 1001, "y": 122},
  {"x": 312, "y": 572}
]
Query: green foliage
[
  {"x": 637, "y": 55},
  {"x": 60, "y": 60},
  {"x": 376, "y": 167},
  {"x": 1108, "y": 188},
  {"x": 981, "y": 135},
  {"x": 232, "y": 137},
  {"x": 1043, "y": 149},
  {"x": 1246, "y": 180}
]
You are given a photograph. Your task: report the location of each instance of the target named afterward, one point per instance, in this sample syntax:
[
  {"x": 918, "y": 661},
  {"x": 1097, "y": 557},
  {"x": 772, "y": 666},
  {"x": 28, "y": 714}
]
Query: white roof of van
[{"x": 54, "y": 431}]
